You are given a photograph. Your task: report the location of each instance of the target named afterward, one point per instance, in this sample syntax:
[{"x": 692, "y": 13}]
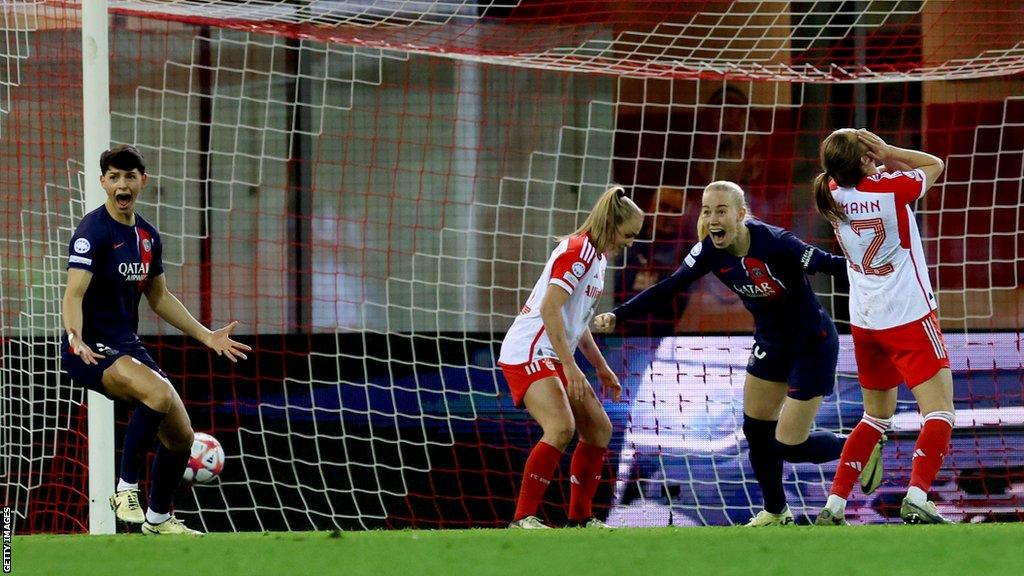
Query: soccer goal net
[{"x": 372, "y": 187}]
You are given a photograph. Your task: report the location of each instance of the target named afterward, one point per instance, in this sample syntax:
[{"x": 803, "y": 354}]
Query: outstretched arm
[
  {"x": 656, "y": 295},
  {"x": 168, "y": 307},
  {"x": 817, "y": 260},
  {"x": 71, "y": 312},
  {"x": 812, "y": 259},
  {"x": 829, "y": 263}
]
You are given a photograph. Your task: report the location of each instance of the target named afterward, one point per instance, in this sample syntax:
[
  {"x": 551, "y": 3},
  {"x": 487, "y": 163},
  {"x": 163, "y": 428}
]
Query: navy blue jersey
[
  {"x": 771, "y": 280},
  {"x": 123, "y": 259}
]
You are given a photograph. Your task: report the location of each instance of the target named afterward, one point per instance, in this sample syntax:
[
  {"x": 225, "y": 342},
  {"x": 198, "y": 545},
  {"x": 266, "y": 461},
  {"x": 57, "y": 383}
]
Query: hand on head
[{"x": 877, "y": 148}]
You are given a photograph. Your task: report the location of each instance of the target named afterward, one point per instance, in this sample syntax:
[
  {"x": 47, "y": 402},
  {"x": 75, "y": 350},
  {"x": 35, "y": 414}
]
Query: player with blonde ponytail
[{"x": 538, "y": 363}]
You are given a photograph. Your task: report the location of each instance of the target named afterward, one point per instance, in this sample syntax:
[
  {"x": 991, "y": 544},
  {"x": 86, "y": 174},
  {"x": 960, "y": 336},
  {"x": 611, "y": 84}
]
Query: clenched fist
[{"x": 604, "y": 322}]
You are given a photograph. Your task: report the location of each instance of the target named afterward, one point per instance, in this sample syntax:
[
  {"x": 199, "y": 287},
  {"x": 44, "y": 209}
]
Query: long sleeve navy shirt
[{"x": 771, "y": 280}]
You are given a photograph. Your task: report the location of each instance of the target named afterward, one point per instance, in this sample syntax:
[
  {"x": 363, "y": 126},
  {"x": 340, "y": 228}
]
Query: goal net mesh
[{"x": 372, "y": 187}]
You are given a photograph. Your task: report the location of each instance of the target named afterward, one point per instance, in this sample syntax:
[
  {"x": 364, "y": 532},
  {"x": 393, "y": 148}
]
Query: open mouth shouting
[
  {"x": 123, "y": 200},
  {"x": 717, "y": 235}
]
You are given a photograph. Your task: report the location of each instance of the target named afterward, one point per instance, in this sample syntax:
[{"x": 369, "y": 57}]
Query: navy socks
[
  {"x": 138, "y": 439},
  {"x": 818, "y": 448},
  {"x": 165, "y": 477},
  {"x": 766, "y": 462}
]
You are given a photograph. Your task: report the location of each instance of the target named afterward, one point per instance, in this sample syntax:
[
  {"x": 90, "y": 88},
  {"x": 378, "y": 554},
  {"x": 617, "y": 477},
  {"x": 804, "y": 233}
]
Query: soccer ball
[{"x": 206, "y": 460}]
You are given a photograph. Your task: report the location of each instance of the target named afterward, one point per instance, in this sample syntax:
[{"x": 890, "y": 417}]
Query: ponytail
[
  {"x": 609, "y": 212},
  {"x": 825, "y": 201},
  {"x": 840, "y": 157}
]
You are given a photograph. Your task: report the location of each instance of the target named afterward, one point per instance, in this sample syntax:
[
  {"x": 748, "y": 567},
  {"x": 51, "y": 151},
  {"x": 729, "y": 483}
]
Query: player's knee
[
  {"x": 758, "y": 432},
  {"x": 604, "y": 433},
  {"x": 936, "y": 405},
  {"x": 178, "y": 438},
  {"x": 560, "y": 434},
  {"x": 929, "y": 403},
  {"x": 159, "y": 398},
  {"x": 600, "y": 434},
  {"x": 791, "y": 452}
]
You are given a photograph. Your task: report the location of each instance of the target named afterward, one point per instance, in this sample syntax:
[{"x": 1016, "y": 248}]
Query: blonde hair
[
  {"x": 739, "y": 199},
  {"x": 611, "y": 210},
  {"x": 840, "y": 156}
]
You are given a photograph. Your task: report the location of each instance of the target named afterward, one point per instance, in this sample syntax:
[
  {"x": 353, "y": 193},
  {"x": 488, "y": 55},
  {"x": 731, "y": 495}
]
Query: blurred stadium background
[{"x": 371, "y": 188}]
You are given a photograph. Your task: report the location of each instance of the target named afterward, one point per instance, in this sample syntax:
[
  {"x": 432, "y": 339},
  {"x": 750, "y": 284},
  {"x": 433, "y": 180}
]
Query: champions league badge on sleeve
[{"x": 694, "y": 252}]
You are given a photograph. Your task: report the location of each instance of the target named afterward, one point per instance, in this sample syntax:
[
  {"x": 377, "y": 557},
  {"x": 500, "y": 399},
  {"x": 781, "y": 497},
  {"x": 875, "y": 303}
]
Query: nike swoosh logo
[
  {"x": 118, "y": 245},
  {"x": 724, "y": 270}
]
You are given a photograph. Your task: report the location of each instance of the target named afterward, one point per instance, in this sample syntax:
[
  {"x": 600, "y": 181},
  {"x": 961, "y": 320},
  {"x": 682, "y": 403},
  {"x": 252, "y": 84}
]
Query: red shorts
[
  {"x": 521, "y": 376},
  {"x": 911, "y": 353}
]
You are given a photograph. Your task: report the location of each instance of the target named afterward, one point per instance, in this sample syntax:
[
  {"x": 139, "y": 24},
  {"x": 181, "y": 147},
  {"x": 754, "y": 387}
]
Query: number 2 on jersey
[{"x": 877, "y": 226}]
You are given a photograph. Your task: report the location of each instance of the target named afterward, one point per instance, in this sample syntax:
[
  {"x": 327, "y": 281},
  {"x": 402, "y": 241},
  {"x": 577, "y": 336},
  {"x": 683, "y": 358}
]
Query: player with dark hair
[
  {"x": 538, "y": 363},
  {"x": 896, "y": 335},
  {"x": 792, "y": 365},
  {"x": 115, "y": 257}
]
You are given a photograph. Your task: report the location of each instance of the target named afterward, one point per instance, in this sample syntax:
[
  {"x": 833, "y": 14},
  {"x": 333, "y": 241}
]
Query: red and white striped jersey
[
  {"x": 889, "y": 283},
  {"x": 576, "y": 267}
]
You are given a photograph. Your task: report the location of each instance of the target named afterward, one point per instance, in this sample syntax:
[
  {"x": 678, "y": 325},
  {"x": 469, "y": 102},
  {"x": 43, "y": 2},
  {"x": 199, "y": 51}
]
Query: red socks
[
  {"x": 587, "y": 462},
  {"x": 540, "y": 467},
  {"x": 856, "y": 452},
  {"x": 932, "y": 445}
]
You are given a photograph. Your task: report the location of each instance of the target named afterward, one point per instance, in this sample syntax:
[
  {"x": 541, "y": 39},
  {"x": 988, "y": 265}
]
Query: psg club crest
[{"x": 147, "y": 245}]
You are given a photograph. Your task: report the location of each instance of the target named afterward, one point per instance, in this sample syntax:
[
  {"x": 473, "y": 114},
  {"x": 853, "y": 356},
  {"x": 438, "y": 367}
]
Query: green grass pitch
[{"x": 893, "y": 550}]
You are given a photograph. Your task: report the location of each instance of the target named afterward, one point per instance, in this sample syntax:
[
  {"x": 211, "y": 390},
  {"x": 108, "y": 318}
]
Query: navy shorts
[
  {"x": 91, "y": 375},
  {"x": 808, "y": 373}
]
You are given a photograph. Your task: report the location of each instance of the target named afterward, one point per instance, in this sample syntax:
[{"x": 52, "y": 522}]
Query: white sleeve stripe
[
  {"x": 80, "y": 260},
  {"x": 924, "y": 183},
  {"x": 587, "y": 252},
  {"x": 561, "y": 284}
]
